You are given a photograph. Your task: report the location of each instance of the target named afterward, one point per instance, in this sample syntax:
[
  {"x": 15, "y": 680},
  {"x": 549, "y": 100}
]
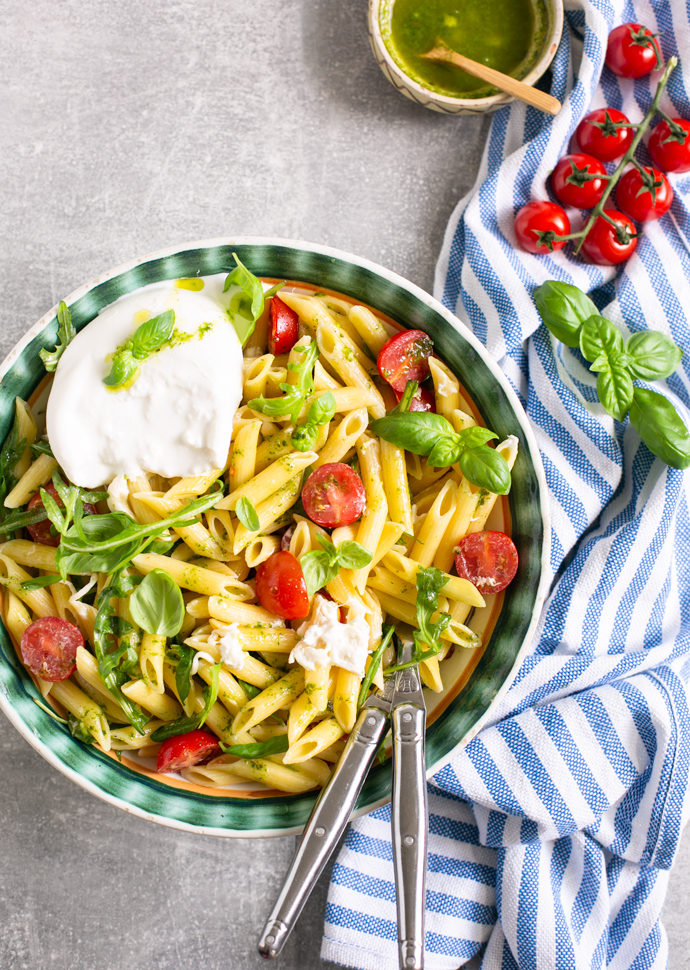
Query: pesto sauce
[{"x": 503, "y": 34}]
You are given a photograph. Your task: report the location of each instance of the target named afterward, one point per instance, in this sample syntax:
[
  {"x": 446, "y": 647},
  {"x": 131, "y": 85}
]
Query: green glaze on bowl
[{"x": 153, "y": 799}]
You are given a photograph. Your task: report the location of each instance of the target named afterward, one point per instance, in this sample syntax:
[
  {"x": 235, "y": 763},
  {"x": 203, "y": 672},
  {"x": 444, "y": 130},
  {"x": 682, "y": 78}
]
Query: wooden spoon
[{"x": 523, "y": 92}]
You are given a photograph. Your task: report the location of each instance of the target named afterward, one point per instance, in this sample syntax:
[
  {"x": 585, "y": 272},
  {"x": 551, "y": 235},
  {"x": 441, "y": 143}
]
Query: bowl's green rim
[{"x": 360, "y": 278}]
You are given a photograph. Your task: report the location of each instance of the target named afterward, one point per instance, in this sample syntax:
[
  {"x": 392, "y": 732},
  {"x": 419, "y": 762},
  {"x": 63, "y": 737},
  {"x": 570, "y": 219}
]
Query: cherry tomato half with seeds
[
  {"x": 280, "y": 586},
  {"x": 423, "y": 400},
  {"x": 670, "y": 148},
  {"x": 405, "y": 357},
  {"x": 579, "y": 180},
  {"x": 49, "y": 648},
  {"x": 283, "y": 327},
  {"x": 185, "y": 750},
  {"x": 40, "y": 531},
  {"x": 632, "y": 51},
  {"x": 608, "y": 245},
  {"x": 334, "y": 495},
  {"x": 644, "y": 199},
  {"x": 488, "y": 559},
  {"x": 603, "y": 133},
  {"x": 537, "y": 222}
]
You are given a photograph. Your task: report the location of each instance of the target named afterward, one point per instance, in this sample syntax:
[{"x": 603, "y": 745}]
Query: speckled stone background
[{"x": 129, "y": 126}]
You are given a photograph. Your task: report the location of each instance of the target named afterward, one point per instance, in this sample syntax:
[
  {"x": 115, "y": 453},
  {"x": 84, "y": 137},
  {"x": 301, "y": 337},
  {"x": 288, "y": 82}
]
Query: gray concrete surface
[{"x": 131, "y": 126}]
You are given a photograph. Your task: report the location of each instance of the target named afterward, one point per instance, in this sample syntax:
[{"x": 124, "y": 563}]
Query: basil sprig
[
  {"x": 183, "y": 725},
  {"x": 647, "y": 355},
  {"x": 261, "y": 749},
  {"x": 321, "y": 412},
  {"x": 320, "y": 567},
  {"x": 430, "y": 582},
  {"x": 426, "y": 433},
  {"x": 247, "y": 305},
  {"x": 157, "y": 605},
  {"x": 292, "y": 401},
  {"x": 66, "y": 333},
  {"x": 247, "y": 514},
  {"x": 146, "y": 340}
]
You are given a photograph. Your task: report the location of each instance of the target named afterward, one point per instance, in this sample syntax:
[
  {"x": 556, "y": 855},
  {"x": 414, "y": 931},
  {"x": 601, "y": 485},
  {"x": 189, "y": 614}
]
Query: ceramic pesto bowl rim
[
  {"x": 165, "y": 797},
  {"x": 424, "y": 94}
]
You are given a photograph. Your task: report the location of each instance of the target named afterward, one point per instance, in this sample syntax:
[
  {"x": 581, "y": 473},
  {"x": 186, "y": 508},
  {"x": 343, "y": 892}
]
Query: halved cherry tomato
[
  {"x": 405, "y": 357},
  {"x": 281, "y": 588},
  {"x": 599, "y": 134},
  {"x": 488, "y": 559},
  {"x": 632, "y": 51},
  {"x": 49, "y": 648},
  {"x": 423, "y": 399},
  {"x": 40, "y": 532},
  {"x": 185, "y": 750},
  {"x": 637, "y": 199},
  {"x": 579, "y": 180},
  {"x": 283, "y": 329},
  {"x": 540, "y": 217},
  {"x": 668, "y": 153},
  {"x": 608, "y": 245},
  {"x": 334, "y": 495}
]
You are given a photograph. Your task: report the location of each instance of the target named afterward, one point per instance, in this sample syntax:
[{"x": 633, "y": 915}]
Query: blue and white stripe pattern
[{"x": 553, "y": 831}]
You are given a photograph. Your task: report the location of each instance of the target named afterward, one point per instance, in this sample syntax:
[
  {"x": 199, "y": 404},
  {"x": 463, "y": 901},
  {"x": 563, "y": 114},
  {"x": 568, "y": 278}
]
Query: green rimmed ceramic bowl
[{"x": 223, "y": 813}]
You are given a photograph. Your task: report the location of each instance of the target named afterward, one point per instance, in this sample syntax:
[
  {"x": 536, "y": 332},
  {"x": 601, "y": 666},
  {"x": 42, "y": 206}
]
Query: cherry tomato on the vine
[
  {"x": 607, "y": 244},
  {"x": 632, "y": 51},
  {"x": 537, "y": 223},
  {"x": 604, "y": 134},
  {"x": 644, "y": 199},
  {"x": 185, "y": 750},
  {"x": 488, "y": 559},
  {"x": 49, "y": 648},
  {"x": 281, "y": 588},
  {"x": 670, "y": 147},
  {"x": 405, "y": 357},
  {"x": 579, "y": 180},
  {"x": 283, "y": 329},
  {"x": 334, "y": 495}
]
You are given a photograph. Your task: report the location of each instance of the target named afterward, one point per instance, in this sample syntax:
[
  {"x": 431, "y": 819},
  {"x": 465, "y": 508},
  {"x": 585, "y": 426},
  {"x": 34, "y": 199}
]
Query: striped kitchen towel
[{"x": 552, "y": 833}]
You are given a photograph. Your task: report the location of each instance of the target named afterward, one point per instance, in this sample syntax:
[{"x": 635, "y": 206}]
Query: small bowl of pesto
[{"x": 516, "y": 37}]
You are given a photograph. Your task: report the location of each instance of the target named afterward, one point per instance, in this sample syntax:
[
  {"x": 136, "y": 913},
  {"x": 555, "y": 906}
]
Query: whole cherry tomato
[
  {"x": 603, "y": 133},
  {"x": 670, "y": 148},
  {"x": 334, "y": 495},
  {"x": 632, "y": 51},
  {"x": 579, "y": 180},
  {"x": 488, "y": 559},
  {"x": 644, "y": 199},
  {"x": 607, "y": 244},
  {"x": 40, "y": 531},
  {"x": 185, "y": 750},
  {"x": 49, "y": 648},
  {"x": 283, "y": 328},
  {"x": 405, "y": 357},
  {"x": 281, "y": 588},
  {"x": 537, "y": 223}
]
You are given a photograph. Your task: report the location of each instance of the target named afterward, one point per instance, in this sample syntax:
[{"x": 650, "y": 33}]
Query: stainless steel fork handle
[
  {"x": 326, "y": 824},
  {"x": 409, "y": 817}
]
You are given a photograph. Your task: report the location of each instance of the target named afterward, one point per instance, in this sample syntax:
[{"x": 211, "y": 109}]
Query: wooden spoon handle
[{"x": 523, "y": 92}]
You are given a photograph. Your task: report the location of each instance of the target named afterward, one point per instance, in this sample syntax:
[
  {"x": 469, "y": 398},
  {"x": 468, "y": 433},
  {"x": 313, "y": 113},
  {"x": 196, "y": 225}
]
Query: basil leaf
[
  {"x": 600, "y": 337},
  {"x": 247, "y": 307},
  {"x": 352, "y": 555},
  {"x": 66, "y": 333},
  {"x": 486, "y": 468},
  {"x": 123, "y": 371},
  {"x": 249, "y": 689},
  {"x": 157, "y": 605},
  {"x": 210, "y": 692},
  {"x": 473, "y": 437},
  {"x": 152, "y": 334},
  {"x": 660, "y": 426},
  {"x": 39, "y": 582},
  {"x": 304, "y": 437},
  {"x": 262, "y": 749},
  {"x": 183, "y": 725},
  {"x": 318, "y": 570},
  {"x": 615, "y": 389},
  {"x": 445, "y": 452},
  {"x": 322, "y": 410},
  {"x": 415, "y": 431},
  {"x": 563, "y": 309},
  {"x": 183, "y": 668},
  {"x": 247, "y": 515},
  {"x": 326, "y": 544},
  {"x": 654, "y": 355}
]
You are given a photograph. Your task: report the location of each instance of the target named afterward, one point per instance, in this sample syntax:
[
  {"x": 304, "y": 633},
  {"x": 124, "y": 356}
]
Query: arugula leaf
[
  {"x": 39, "y": 582},
  {"x": 149, "y": 337},
  {"x": 20, "y": 518},
  {"x": 321, "y": 412},
  {"x": 157, "y": 605},
  {"x": 262, "y": 749},
  {"x": 660, "y": 426},
  {"x": 66, "y": 333},
  {"x": 563, "y": 308},
  {"x": 292, "y": 401},
  {"x": 183, "y": 725},
  {"x": 79, "y": 730},
  {"x": 247, "y": 514},
  {"x": 320, "y": 567},
  {"x": 42, "y": 448},
  {"x": 12, "y": 450},
  {"x": 374, "y": 665},
  {"x": 248, "y": 304},
  {"x": 654, "y": 355},
  {"x": 430, "y": 582}
]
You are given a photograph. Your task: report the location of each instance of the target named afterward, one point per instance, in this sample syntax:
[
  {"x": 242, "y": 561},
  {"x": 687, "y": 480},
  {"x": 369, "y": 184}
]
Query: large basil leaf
[
  {"x": 599, "y": 338},
  {"x": 660, "y": 426},
  {"x": 486, "y": 468},
  {"x": 563, "y": 308},
  {"x": 157, "y": 604},
  {"x": 152, "y": 334},
  {"x": 415, "y": 431},
  {"x": 615, "y": 389},
  {"x": 654, "y": 355}
]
